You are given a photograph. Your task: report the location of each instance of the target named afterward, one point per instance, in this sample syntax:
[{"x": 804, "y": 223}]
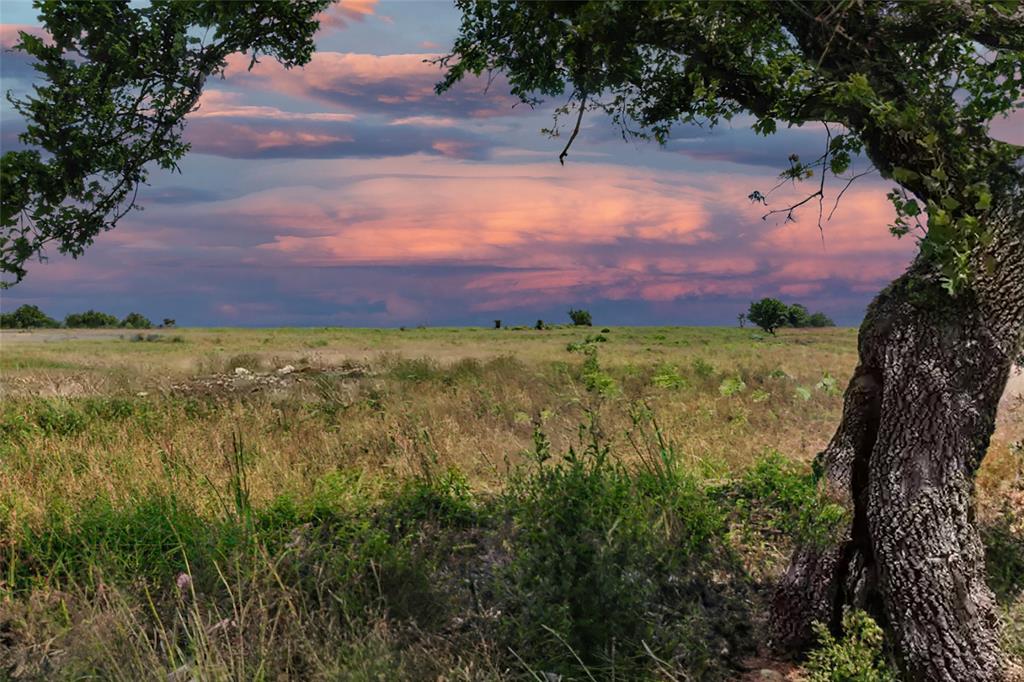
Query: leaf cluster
[{"x": 914, "y": 86}]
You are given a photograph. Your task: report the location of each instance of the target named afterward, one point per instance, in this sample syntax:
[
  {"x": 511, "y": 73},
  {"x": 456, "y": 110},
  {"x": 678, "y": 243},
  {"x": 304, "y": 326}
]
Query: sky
[{"x": 347, "y": 193}]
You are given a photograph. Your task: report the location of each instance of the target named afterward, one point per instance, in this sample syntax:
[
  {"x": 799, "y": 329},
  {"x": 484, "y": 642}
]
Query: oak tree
[
  {"x": 914, "y": 87},
  {"x": 769, "y": 314}
]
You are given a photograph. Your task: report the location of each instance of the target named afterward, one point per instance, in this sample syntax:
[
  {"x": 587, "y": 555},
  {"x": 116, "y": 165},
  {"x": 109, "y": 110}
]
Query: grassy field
[{"x": 456, "y": 504}]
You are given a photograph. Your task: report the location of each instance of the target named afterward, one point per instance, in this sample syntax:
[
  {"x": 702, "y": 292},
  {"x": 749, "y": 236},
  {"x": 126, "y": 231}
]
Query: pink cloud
[
  {"x": 215, "y": 103},
  {"x": 225, "y": 139},
  {"x": 508, "y": 218},
  {"x": 800, "y": 289},
  {"x": 402, "y": 84},
  {"x": 9, "y": 33},
  {"x": 343, "y": 13},
  {"x": 547, "y": 234},
  {"x": 1009, "y": 128}
]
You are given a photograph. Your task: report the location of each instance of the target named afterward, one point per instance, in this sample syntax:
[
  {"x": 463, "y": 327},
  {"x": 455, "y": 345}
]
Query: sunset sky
[{"x": 348, "y": 193}]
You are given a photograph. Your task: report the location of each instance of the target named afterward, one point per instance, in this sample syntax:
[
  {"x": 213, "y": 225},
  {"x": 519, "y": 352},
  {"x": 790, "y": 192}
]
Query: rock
[
  {"x": 142, "y": 394},
  {"x": 287, "y": 369},
  {"x": 242, "y": 372},
  {"x": 770, "y": 675}
]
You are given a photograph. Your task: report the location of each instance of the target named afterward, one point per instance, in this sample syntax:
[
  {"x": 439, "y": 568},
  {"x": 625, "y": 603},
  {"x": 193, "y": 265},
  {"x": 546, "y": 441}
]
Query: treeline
[
  {"x": 31, "y": 317},
  {"x": 770, "y": 313}
]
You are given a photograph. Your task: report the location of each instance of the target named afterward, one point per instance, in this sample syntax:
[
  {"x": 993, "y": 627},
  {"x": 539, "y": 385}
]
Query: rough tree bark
[{"x": 917, "y": 419}]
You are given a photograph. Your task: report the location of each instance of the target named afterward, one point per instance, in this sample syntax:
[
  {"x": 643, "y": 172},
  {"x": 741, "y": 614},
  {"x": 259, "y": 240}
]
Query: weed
[
  {"x": 667, "y": 376},
  {"x": 703, "y": 369},
  {"x": 777, "y": 496},
  {"x": 732, "y": 386},
  {"x": 857, "y": 657},
  {"x": 597, "y": 552},
  {"x": 828, "y": 384}
]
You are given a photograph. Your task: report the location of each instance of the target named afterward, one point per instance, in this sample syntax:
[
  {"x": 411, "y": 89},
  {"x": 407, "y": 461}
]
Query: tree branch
[{"x": 575, "y": 130}]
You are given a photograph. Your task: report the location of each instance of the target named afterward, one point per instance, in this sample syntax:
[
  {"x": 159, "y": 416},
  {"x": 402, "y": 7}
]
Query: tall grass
[{"x": 504, "y": 510}]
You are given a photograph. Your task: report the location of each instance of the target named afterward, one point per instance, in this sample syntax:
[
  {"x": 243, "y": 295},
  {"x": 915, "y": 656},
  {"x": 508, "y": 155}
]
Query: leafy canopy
[
  {"x": 769, "y": 314},
  {"x": 115, "y": 83},
  {"x": 27, "y": 317},
  {"x": 912, "y": 85}
]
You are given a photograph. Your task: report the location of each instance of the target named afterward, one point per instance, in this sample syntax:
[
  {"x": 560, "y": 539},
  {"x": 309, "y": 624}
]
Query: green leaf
[{"x": 900, "y": 174}]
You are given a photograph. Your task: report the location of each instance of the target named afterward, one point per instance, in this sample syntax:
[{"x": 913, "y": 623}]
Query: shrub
[
  {"x": 90, "y": 319},
  {"x": 27, "y": 317},
  {"x": 769, "y": 314},
  {"x": 136, "y": 321},
  {"x": 580, "y": 318},
  {"x": 608, "y": 561},
  {"x": 780, "y": 497},
  {"x": 857, "y": 657},
  {"x": 415, "y": 370},
  {"x": 667, "y": 376},
  {"x": 702, "y": 368},
  {"x": 444, "y": 500}
]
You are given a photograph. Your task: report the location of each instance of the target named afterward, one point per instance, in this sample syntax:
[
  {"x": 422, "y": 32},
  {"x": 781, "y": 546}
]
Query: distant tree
[
  {"x": 90, "y": 319},
  {"x": 797, "y": 316},
  {"x": 27, "y": 317},
  {"x": 136, "y": 321},
  {"x": 741, "y": 318},
  {"x": 820, "y": 320},
  {"x": 168, "y": 322},
  {"x": 497, "y": 324},
  {"x": 540, "y": 325},
  {"x": 769, "y": 314},
  {"x": 580, "y": 318}
]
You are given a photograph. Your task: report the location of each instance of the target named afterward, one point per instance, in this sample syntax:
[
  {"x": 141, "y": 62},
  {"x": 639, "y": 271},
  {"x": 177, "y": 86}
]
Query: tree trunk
[{"x": 917, "y": 419}]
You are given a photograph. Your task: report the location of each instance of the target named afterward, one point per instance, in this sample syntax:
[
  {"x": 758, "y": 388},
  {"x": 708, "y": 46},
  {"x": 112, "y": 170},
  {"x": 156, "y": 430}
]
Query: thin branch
[
  {"x": 821, "y": 185},
  {"x": 846, "y": 187},
  {"x": 575, "y": 130}
]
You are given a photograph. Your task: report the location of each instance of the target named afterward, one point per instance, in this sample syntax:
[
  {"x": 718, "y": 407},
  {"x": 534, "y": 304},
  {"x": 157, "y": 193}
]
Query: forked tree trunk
[{"x": 917, "y": 420}]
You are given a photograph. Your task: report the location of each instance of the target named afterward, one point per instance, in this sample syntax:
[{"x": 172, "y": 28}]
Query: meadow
[{"x": 430, "y": 504}]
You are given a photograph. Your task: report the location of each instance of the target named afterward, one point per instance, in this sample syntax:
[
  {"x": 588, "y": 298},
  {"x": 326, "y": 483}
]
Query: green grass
[{"x": 430, "y": 503}]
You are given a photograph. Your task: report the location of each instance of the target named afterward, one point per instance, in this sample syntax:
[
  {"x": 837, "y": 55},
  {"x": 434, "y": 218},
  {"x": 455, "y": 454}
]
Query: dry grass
[{"x": 100, "y": 415}]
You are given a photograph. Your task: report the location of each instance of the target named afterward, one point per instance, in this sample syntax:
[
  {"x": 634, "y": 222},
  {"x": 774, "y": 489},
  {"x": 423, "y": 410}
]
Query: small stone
[
  {"x": 771, "y": 675},
  {"x": 142, "y": 394},
  {"x": 287, "y": 369},
  {"x": 242, "y": 372}
]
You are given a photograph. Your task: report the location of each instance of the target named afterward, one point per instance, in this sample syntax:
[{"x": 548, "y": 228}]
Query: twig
[
  {"x": 575, "y": 130},
  {"x": 846, "y": 187}
]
